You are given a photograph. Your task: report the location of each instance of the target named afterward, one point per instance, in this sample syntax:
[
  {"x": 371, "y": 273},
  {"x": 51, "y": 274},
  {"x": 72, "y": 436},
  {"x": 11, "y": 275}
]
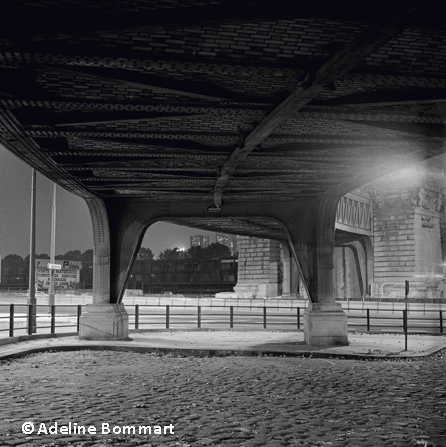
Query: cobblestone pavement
[{"x": 222, "y": 401}]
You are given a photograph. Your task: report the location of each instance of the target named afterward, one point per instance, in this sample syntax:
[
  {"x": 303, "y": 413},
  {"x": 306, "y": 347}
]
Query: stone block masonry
[
  {"x": 259, "y": 268},
  {"x": 407, "y": 242}
]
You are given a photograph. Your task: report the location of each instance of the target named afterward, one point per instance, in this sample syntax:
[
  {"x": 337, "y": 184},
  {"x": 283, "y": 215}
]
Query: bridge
[{"x": 251, "y": 117}]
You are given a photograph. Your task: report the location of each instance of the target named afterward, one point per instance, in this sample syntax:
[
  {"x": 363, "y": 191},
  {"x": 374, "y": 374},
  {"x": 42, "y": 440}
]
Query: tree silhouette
[
  {"x": 87, "y": 256},
  {"x": 197, "y": 252},
  {"x": 145, "y": 254},
  {"x": 74, "y": 255},
  {"x": 216, "y": 250},
  {"x": 170, "y": 253},
  {"x": 13, "y": 261}
]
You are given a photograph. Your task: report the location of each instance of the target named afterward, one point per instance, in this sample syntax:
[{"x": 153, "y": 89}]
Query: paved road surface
[{"x": 224, "y": 401}]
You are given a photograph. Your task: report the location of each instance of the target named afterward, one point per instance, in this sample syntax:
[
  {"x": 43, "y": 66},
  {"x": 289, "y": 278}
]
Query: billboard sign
[
  {"x": 71, "y": 264},
  {"x": 64, "y": 278}
]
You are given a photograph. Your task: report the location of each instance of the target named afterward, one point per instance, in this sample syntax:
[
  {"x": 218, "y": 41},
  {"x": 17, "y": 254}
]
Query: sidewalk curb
[
  {"x": 123, "y": 346},
  {"x": 22, "y": 338}
]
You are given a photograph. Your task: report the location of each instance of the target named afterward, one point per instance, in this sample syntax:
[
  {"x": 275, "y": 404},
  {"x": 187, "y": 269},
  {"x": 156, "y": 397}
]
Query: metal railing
[
  {"x": 24, "y": 319},
  {"x": 19, "y": 319},
  {"x": 177, "y": 317},
  {"x": 396, "y": 320},
  {"x": 366, "y": 319}
]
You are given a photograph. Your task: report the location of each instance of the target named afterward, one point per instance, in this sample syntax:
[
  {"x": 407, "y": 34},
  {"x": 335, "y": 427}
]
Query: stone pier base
[
  {"x": 256, "y": 290},
  {"x": 325, "y": 324},
  {"x": 104, "y": 322}
]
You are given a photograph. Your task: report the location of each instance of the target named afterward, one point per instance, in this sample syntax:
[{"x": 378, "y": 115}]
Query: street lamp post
[
  {"x": 53, "y": 251},
  {"x": 32, "y": 255}
]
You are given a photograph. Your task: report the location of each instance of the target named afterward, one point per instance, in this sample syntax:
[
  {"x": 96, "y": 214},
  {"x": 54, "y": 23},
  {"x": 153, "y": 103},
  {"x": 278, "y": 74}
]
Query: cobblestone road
[{"x": 223, "y": 401}]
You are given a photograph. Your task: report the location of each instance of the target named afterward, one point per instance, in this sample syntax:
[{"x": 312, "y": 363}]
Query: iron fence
[
  {"x": 24, "y": 319},
  {"x": 21, "y": 319},
  {"x": 201, "y": 317}
]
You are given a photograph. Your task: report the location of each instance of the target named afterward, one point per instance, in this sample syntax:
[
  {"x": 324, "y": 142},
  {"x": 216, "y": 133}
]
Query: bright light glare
[{"x": 413, "y": 174}]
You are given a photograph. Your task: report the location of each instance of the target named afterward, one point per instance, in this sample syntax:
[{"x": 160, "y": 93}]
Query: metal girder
[
  {"x": 33, "y": 117},
  {"x": 384, "y": 98},
  {"x": 346, "y": 59},
  {"x": 153, "y": 83},
  {"x": 157, "y": 106},
  {"x": 156, "y": 19},
  {"x": 430, "y": 130}
]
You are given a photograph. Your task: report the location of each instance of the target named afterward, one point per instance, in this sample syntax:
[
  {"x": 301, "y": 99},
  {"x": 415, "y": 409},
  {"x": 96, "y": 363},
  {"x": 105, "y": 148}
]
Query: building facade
[
  {"x": 183, "y": 276},
  {"x": 205, "y": 276},
  {"x": 388, "y": 233},
  {"x": 407, "y": 243},
  {"x": 230, "y": 240},
  {"x": 18, "y": 277},
  {"x": 199, "y": 241}
]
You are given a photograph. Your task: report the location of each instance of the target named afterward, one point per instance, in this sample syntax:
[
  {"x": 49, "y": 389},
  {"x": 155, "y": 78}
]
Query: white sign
[
  {"x": 65, "y": 275},
  {"x": 71, "y": 264},
  {"x": 54, "y": 266},
  {"x": 62, "y": 279}
]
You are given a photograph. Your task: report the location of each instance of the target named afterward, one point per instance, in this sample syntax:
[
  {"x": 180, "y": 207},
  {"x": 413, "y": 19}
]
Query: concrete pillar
[
  {"x": 286, "y": 270},
  {"x": 443, "y": 217},
  {"x": 353, "y": 265},
  {"x": 258, "y": 268},
  {"x": 102, "y": 320},
  {"x": 117, "y": 235},
  {"x": 325, "y": 323},
  {"x": 340, "y": 273},
  {"x": 312, "y": 236},
  {"x": 297, "y": 282},
  {"x": 441, "y": 290},
  {"x": 350, "y": 271}
]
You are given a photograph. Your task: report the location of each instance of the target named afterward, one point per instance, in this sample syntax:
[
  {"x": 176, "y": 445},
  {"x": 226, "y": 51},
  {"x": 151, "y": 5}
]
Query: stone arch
[
  {"x": 308, "y": 228},
  {"x": 261, "y": 227}
]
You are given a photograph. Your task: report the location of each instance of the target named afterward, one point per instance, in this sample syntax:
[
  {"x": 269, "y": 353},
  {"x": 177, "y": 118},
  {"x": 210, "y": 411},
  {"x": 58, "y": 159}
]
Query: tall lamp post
[
  {"x": 53, "y": 251},
  {"x": 443, "y": 236},
  {"x": 32, "y": 255}
]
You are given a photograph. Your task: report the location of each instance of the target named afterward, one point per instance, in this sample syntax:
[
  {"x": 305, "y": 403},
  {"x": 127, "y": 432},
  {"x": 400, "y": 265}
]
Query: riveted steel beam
[{"x": 315, "y": 83}]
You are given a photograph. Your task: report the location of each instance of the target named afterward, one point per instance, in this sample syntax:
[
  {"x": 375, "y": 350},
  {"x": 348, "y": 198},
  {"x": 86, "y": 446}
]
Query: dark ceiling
[{"x": 221, "y": 101}]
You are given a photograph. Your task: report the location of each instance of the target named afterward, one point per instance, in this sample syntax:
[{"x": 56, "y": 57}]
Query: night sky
[{"x": 73, "y": 224}]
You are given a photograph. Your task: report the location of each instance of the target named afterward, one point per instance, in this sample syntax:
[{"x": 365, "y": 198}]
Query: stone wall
[
  {"x": 407, "y": 242},
  {"x": 259, "y": 268}
]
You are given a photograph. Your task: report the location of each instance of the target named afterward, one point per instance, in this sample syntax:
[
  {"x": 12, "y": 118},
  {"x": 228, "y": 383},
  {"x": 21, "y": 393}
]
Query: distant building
[
  {"x": 230, "y": 240},
  {"x": 205, "y": 276},
  {"x": 199, "y": 240},
  {"x": 79, "y": 277}
]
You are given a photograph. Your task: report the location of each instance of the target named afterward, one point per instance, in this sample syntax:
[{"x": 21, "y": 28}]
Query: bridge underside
[{"x": 250, "y": 117}]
